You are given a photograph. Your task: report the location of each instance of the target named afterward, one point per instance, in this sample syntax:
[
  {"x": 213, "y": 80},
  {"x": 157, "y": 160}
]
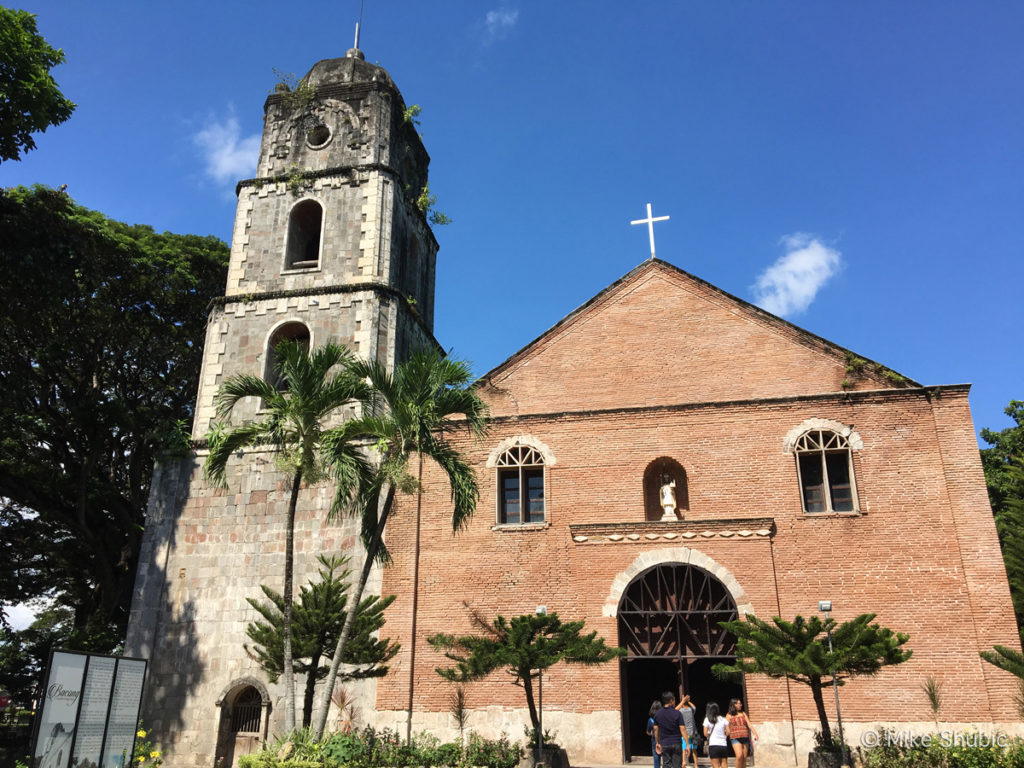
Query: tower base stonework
[{"x": 206, "y": 551}]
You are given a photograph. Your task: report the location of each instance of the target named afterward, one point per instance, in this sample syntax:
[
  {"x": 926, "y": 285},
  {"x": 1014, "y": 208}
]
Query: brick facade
[{"x": 664, "y": 365}]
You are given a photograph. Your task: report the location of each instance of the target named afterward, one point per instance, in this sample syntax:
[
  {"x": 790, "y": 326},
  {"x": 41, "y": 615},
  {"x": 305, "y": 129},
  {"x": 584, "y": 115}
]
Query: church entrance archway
[{"x": 668, "y": 620}]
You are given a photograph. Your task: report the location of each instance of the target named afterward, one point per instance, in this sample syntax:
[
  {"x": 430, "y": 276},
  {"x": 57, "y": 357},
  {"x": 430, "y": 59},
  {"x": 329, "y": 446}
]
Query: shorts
[
  {"x": 717, "y": 751},
  {"x": 740, "y": 740}
]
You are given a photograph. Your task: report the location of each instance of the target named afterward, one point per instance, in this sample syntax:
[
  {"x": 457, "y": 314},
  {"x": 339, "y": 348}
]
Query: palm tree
[
  {"x": 409, "y": 412},
  {"x": 293, "y": 424}
]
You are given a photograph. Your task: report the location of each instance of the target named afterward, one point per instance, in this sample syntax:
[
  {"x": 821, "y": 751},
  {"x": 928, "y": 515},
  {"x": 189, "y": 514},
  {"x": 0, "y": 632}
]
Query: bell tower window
[
  {"x": 293, "y": 331},
  {"x": 304, "y": 226}
]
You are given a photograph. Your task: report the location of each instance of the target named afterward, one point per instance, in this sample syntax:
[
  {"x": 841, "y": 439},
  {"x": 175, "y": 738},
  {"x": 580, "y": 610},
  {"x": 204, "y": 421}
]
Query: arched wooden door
[
  {"x": 669, "y": 625},
  {"x": 243, "y": 724}
]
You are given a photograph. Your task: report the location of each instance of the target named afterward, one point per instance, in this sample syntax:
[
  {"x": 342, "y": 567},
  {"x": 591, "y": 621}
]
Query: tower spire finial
[
  {"x": 354, "y": 52},
  {"x": 358, "y": 24}
]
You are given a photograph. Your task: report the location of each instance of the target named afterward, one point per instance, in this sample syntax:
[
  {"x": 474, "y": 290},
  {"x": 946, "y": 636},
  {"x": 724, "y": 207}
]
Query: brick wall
[{"x": 717, "y": 388}]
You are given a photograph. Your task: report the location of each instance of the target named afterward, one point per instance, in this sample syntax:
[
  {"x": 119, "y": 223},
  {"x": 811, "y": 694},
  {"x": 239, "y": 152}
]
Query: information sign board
[{"x": 89, "y": 711}]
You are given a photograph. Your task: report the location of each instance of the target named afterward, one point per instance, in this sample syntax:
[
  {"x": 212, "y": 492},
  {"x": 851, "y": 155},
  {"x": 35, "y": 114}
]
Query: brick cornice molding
[
  {"x": 646, "y": 531},
  {"x": 846, "y": 397}
]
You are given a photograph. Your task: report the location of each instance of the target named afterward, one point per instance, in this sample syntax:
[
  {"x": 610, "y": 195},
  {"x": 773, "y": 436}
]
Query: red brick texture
[{"x": 664, "y": 365}]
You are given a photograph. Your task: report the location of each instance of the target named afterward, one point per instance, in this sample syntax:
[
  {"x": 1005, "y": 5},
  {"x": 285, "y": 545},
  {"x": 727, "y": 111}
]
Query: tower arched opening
[
  {"x": 292, "y": 331},
  {"x": 304, "y": 226}
]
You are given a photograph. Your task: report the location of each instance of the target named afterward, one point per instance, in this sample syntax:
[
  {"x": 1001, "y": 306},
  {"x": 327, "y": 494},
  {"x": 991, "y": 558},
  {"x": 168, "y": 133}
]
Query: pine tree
[
  {"x": 799, "y": 650},
  {"x": 317, "y": 619},
  {"x": 523, "y": 645}
]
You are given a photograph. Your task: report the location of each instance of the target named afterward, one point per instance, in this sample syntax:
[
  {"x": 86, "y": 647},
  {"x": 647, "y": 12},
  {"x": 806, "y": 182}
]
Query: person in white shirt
[{"x": 716, "y": 730}]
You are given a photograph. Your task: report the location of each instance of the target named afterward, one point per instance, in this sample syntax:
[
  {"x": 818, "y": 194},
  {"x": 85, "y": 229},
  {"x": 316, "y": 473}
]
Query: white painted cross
[{"x": 649, "y": 221}]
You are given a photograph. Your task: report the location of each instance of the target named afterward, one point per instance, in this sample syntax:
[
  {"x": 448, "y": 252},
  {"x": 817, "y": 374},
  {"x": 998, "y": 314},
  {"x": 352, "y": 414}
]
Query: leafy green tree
[
  {"x": 799, "y": 650},
  {"x": 98, "y": 365},
  {"x": 294, "y": 423},
  {"x": 29, "y": 98},
  {"x": 1010, "y": 525},
  {"x": 317, "y": 619},
  {"x": 1013, "y": 662},
  {"x": 1004, "y": 474},
  {"x": 1006, "y": 658},
  {"x": 411, "y": 412},
  {"x": 523, "y": 646},
  {"x": 23, "y": 655},
  {"x": 1006, "y": 444}
]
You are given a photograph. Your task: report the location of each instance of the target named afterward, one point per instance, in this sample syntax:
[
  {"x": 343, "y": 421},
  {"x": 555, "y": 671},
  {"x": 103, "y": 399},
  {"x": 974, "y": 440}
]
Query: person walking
[
  {"x": 716, "y": 731},
  {"x": 669, "y": 732},
  {"x": 689, "y": 713},
  {"x": 741, "y": 732},
  {"x": 655, "y": 706}
]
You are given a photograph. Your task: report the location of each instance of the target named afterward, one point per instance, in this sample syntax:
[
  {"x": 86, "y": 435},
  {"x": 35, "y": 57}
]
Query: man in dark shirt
[{"x": 669, "y": 728}]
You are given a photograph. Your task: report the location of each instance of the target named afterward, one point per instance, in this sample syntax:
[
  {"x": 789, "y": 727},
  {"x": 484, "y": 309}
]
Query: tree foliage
[
  {"x": 1006, "y": 658},
  {"x": 23, "y": 654},
  {"x": 99, "y": 360},
  {"x": 318, "y": 617},
  {"x": 522, "y": 646},
  {"x": 1003, "y": 463},
  {"x": 30, "y": 100},
  {"x": 799, "y": 650},
  {"x": 314, "y": 385},
  {"x": 1006, "y": 444}
]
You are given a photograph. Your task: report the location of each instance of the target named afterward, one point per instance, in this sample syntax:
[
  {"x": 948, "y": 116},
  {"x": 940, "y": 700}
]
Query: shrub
[
  {"x": 370, "y": 748},
  {"x": 493, "y": 754},
  {"x": 347, "y": 749},
  {"x": 939, "y": 751}
]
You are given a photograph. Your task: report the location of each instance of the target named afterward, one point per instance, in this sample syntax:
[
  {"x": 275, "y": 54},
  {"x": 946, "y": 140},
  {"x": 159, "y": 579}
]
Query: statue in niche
[{"x": 668, "y": 498}]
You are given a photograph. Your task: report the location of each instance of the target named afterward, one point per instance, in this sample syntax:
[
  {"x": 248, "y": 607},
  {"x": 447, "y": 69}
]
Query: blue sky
[{"x": 855, "y": 167}]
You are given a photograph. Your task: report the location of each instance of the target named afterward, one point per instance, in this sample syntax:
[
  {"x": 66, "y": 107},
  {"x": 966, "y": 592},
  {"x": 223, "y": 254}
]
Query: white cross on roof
[{"x": 649, "y": 221}]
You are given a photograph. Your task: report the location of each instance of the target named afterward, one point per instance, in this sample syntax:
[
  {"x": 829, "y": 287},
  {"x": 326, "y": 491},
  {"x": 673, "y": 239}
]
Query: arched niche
[{"x": 653, "y": 480}]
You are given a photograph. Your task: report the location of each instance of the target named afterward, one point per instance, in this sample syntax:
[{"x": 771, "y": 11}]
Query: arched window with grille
[
  {"x": 520, "y": 485},
  {"x": 824, "y": 462},
  {"x": 247, "y": 711}
]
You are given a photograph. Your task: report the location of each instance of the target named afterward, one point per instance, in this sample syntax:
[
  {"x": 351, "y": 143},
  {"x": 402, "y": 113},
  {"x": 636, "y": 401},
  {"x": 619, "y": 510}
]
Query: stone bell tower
[{"x": 329, "y": 244}]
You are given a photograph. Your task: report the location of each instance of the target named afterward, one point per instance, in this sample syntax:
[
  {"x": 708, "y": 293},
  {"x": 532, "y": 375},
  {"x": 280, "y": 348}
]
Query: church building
[{"x": 664, "y": 458}]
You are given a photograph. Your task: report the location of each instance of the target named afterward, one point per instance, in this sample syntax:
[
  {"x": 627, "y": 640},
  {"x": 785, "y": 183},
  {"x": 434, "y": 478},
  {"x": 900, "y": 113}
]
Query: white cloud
[
  {"x": 228, "y": 155},
  {"x": 499, "y": 23},
  {"x": 790, "y": 284}
]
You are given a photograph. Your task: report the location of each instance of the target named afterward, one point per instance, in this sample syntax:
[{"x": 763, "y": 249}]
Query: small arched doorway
[
  {"x": 242, "y": 728},
  {"x": 669, "y": 625}
]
